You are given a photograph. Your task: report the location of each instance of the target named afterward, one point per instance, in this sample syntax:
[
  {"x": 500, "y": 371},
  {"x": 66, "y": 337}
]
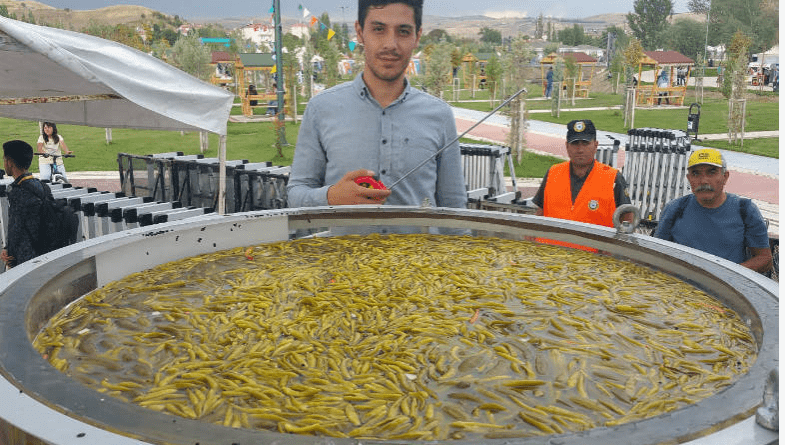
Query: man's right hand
[{"x": 347, "y": 192}]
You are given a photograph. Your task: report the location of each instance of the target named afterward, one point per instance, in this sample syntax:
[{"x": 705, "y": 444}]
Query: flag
[
  {"x": 330, "y": 34},
  {"x": 314, "y": 20},
  {"x": 274, "y": 70},
  {"x": 352, "y": 45},
  {"x": 306, "y": 13}
]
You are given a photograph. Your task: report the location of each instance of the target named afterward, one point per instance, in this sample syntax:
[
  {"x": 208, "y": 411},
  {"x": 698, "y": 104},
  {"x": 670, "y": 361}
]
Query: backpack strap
[{"x": 40, "y": 194}]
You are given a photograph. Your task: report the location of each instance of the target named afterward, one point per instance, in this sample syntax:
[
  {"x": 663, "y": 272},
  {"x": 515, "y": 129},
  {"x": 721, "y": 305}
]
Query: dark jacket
[{"x": 24, "y": 215}]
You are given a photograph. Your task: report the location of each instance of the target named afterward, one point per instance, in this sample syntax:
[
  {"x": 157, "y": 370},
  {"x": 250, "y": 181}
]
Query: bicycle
[{"x": 57, "y": 176}]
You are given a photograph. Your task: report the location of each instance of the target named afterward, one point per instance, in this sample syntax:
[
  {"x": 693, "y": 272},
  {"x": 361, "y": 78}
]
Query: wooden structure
[
  {"x": 475, "y": 65},
  {"x": 245, "y": 65},
  {"x": 469, "y": 68},
  {"x": 672, "y": 62},
  {"x": 582, "y": 84},
  {"x": 220, "y": 61}
]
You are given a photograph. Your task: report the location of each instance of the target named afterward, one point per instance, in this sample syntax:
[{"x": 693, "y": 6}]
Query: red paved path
[{"x": 750, "y": 185}]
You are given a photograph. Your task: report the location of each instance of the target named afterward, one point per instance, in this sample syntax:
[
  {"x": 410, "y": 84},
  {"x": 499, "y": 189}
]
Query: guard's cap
[
  {"x": 581, "y": 130},
  {"x": 708, "y": 156}
]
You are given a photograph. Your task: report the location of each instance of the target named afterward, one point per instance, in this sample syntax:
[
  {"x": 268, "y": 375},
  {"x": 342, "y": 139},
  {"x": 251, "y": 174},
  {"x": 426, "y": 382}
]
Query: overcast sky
[{"x": 193, "y": 9}]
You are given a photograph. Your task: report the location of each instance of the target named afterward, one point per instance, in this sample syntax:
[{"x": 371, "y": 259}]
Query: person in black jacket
[{"x": 24, "y": 207}]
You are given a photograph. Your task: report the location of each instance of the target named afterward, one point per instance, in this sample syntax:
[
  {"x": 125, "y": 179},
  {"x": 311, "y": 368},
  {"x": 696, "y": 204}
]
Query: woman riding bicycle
[{"x": 50, "y": 143}]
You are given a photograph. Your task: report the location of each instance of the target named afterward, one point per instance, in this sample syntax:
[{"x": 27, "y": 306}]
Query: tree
[
  {"x": 649, "y": 21},
  {"x": 632, "y": 59},
  {"x": 687, "y": 37},
  {"x": 515, "y": 62},
  {"x": 758, "y": 19},
  {"x": 438, "y": 72},
  {"x": 572, "y": 36},
  {"x": 493, "y": 72},
  {"x": 551, "y": 48},
  {"x": 456, "y": 59},
  {"x": 539, "y": 27},
  {"x": 435, "y": 36},
  {"x": 736, "y": 66},
  {"x": 329, "y": 51},
  {"x": 191, "y": 56},
  {"x": 308, "y": 71},
  {"x": 490, "y": 36},
  {"x": 572, "y": 71},
  {"x": 735, "y": 85},
  {"x": 3, "y": 11},
  {"x": 290, "y": 66}
]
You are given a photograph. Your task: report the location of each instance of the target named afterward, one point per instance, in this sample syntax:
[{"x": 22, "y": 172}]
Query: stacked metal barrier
[
  {"x": 101, "y": 213},
  {"x": 655, "y": 167},
  {"x": 5, "y": 181},
  {"x": 483, "y": 172},
  {"x": 608, "y": 154},
  {"x": 193, "y": 181}
]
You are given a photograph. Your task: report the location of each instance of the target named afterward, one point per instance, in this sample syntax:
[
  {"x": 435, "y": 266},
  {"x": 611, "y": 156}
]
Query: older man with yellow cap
[{"x": 713, "y": 220}]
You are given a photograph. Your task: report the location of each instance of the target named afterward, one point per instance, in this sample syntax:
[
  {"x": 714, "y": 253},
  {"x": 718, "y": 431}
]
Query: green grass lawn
[
  {"x": 762, "y": 115},
  {"x": 256, "y": 141},
  {"x": 252, "y": 141}
]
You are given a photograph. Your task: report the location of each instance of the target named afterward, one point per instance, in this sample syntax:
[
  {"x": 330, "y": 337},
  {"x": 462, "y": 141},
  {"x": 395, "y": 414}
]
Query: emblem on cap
[
  {"x": 594, "y": 204},
  {"x": 579, "y": 126}
]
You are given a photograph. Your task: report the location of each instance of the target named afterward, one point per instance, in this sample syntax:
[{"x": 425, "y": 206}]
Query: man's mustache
[{"x": 704, "y": 188}]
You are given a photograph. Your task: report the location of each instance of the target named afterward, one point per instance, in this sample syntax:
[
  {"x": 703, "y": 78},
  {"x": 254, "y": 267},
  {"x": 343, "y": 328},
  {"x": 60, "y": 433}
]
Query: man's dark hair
[
  {"x": 363, "y": 5},
  {"x": 20, "y": 152}
]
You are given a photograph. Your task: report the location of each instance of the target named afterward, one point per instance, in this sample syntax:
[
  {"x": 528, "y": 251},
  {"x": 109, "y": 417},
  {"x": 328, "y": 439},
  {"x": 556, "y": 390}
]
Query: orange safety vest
[{"x": 595, "y": 202}]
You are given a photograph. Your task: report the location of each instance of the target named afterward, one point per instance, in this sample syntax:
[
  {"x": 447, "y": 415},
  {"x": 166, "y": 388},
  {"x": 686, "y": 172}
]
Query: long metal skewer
[{"x": 457, "y": 138}]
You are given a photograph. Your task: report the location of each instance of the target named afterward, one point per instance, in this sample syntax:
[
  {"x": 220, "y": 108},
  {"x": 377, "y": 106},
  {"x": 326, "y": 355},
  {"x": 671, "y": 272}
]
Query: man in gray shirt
[{"x": 378, "y": 125}]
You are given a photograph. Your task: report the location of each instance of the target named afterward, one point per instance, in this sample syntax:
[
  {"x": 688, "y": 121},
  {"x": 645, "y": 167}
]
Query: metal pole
[
  {"x": 457, "y": 138},
  {"x": 279, "y": 70},
  {"x": 222, "y": 175}
]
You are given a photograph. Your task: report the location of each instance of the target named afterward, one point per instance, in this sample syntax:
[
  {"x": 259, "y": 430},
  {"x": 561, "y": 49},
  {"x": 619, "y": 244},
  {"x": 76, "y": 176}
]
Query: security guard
[{"x": 582, "y": 189}]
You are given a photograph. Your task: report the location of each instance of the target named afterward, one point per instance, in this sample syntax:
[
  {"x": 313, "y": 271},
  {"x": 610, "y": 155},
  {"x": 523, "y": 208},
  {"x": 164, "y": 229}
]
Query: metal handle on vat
[
  {"x": 768, "y": 415},
  {"x": 626, "y": 226}
]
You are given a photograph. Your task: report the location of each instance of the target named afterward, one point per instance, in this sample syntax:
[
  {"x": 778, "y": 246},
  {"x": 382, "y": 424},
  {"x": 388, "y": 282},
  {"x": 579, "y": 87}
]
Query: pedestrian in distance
[
  {"x": 379, "y": 125},
  {"x": 663, "y": 82},
  {"x": 714, "y": 221},
  {"x": 24, "y": 206},
  {"x": 252, "y": 92},
  {"x": 582, "y": 189},
  {"x": 549, "y": 83},
  {"x": 51, "y": 143}
]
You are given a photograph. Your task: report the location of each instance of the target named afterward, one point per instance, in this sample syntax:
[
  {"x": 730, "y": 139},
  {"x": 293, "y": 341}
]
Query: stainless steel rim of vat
[{"x": 40, "y": 401}]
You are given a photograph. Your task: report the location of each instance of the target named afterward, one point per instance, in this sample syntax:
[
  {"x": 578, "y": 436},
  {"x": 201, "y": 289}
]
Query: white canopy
[{"x": 72, "y": 78}]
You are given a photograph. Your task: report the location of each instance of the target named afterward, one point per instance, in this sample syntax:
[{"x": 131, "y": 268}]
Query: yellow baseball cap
[{"x": 709, "y": 156}]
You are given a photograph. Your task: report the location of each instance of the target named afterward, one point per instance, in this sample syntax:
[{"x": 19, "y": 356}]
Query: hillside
[
  {"x": 77, "y": 20},
  {"x": 468, "y": 26}
]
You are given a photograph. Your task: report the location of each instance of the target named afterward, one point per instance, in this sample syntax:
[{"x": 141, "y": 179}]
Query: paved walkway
[{"x": 752, "y": 176}]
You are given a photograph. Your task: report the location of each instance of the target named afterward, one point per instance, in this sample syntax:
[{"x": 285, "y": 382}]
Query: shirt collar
[
  {"x": 587, "y": 171},
  {"x": 362, "y": 90}
]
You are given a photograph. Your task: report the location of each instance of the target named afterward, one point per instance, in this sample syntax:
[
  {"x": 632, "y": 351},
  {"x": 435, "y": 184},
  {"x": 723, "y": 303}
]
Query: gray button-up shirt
[{"x": 344, "y": 128}]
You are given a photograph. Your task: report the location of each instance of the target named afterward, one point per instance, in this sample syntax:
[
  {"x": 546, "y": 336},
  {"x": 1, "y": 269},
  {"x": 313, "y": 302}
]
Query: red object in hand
[{"x": 370, "y": 183}]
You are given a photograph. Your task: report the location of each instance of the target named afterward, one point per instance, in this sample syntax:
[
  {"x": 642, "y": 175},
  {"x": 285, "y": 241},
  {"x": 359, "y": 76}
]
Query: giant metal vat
[{"x": 38, "y": 404}]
